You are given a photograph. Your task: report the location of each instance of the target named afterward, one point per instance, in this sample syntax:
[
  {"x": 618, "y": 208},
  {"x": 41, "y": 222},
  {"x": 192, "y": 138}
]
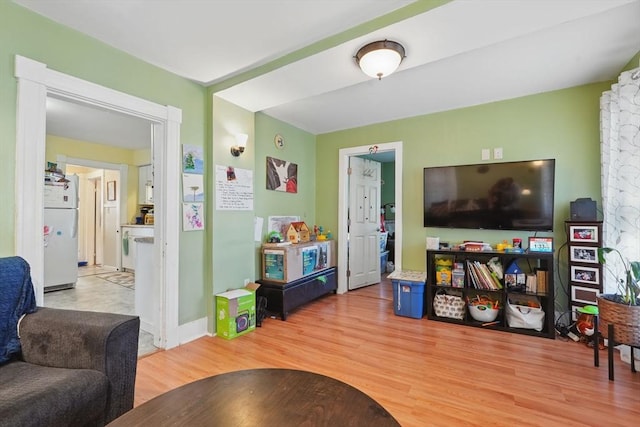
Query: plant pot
[{"x": 624, "y": 317}]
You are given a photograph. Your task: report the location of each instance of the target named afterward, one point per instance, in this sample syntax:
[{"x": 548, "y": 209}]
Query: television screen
[{"x": 495, "y": 196}]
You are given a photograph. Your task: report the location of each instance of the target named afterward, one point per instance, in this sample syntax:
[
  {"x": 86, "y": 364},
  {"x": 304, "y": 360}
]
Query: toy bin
[
  {"x": 384, "y": 256},
  {"x": 408, "y": 293}
]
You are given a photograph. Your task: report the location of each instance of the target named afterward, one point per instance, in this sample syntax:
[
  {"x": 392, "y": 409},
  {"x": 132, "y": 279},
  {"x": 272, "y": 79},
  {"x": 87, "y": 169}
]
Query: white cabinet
[
  {"x": 145, "y": 185},
  {"x": 129, "y": 250}
]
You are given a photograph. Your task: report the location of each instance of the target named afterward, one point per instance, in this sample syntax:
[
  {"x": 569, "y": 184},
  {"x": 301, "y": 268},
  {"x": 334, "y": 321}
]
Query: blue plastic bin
[
  {"x": 384, "y": 256},
  {"x": 408, "y": 298}
]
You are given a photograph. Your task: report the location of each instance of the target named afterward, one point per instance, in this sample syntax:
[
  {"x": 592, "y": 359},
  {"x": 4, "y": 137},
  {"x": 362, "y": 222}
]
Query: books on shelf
[
  {"x": 532, "y": 283},
  {"x": 482, "y": 277},
  {"x": 542, "y": 281}
]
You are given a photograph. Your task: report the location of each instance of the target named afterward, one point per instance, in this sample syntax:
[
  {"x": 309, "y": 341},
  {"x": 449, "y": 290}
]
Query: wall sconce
[{"x": 241, "y": 141}]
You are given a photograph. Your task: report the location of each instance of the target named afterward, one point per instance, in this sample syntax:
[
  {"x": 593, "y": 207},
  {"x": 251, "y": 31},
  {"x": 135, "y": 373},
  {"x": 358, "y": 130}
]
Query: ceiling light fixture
[{"x": 381, "y": 58}]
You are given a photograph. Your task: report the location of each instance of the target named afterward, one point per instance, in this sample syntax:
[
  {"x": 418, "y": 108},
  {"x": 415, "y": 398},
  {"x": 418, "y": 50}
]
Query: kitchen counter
[{"x": 129, "y": 235}]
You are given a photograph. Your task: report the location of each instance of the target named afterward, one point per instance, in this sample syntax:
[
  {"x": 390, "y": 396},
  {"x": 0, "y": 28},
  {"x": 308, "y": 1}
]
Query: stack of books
[{"x": 482, "y": 277}]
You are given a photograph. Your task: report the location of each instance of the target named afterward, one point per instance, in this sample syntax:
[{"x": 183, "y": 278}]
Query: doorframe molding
[
  {"x": 35, "y": 82},
  {"x": 343, "y": 205}
]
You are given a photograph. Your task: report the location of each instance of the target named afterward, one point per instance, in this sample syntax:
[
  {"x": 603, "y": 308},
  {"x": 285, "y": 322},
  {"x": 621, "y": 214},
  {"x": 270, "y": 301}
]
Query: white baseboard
[{"x": 193, "y": 330}]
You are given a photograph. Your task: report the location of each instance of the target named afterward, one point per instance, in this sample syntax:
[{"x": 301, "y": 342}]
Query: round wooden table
[{"x": 261, "y": 397}]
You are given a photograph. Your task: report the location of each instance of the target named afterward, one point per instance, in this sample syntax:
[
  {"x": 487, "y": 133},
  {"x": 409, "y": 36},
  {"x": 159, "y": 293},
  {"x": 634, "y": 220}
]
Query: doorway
[
  {"x": 35, "y": 83},
  {"x": 343, "y": 205},
  {"x": 365, "y": 180},
  {"x": 98, "y": 218}
]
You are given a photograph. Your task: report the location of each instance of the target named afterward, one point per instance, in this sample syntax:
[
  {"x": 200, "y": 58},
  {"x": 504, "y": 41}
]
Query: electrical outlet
[
  {"x": 486, "y": 154},
  {"x": 497, "y": 153},
  {"x": 246, "y": 281}
]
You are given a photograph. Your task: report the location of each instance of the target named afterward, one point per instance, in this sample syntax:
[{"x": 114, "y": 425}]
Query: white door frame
[
  {"x": 343, "y": 206},
  {"x": 35, "y": 82}
]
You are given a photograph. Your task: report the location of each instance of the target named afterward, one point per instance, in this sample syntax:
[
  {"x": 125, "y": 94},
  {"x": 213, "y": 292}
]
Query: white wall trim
[
  {"x": 35, "y": 82},
  {"x": 193, "y": 330},
  {"x": 343, "y": 205}
]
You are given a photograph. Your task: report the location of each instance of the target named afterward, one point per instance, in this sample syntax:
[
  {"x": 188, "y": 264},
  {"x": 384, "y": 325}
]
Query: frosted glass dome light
[{"x": 380, "y": 59}]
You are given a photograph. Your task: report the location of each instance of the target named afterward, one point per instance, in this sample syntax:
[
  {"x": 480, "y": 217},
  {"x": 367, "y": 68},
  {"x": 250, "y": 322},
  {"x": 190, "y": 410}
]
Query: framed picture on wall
[
  {"x": 583, "y": 233},
  {"x": 587, "y": 254},
  {"x": 585, "y": 275},
  {"x": 282, "y": 175}
]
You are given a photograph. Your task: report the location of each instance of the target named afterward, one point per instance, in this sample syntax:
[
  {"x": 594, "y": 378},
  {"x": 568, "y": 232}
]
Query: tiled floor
[{"x": 94, "y": 293}]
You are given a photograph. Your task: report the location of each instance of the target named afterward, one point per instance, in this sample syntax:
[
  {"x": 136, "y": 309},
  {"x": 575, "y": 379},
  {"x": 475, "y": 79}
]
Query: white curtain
[{"x": 620, "y": 169}]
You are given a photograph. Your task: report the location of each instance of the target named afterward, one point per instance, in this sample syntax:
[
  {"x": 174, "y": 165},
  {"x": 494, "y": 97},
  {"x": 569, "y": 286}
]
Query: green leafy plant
[{"x": 629, "y": 287}]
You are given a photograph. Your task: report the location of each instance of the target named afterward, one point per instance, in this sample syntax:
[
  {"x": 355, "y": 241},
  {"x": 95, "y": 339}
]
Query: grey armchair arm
[{"x": 86, "y": 340}]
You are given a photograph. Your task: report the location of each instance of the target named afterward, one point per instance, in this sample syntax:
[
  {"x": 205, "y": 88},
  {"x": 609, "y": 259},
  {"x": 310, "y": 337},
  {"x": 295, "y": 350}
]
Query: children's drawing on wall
[
  {"x": 231, "y": 173},
  {"x": 282, "y": 175},
  {"x": 192, "y": 216},
  {"x": 192, "y": 159},
  {"x": 192, "y": 188}
]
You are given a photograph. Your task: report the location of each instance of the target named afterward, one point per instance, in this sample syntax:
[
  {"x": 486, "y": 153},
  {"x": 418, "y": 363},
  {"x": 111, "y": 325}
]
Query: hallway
[{"x": 101, "y": 289}]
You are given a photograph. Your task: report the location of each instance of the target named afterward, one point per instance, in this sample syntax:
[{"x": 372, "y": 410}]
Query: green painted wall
[
  {"x": 388, "y": 190},
  {"x": 561, "y": 125},
  {"x": 229, "y": 231},
  {"x": 25, "y": 33},
  {"x": 235, "y": 255},
  {"x": 299, "y": 148}
]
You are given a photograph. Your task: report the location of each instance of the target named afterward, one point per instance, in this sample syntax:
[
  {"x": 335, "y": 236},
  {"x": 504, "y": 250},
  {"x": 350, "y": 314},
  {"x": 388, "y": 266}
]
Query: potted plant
[{"x": 622, "y": 309}]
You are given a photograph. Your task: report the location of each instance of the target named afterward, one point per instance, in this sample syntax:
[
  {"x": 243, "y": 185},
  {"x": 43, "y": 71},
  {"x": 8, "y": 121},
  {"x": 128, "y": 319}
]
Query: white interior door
[{"x": 364, "y": 223}]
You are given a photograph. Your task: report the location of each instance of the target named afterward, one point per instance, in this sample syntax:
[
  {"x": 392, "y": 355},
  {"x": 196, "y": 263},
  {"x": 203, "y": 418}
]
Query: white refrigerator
[{"x": 61, "y": 234}]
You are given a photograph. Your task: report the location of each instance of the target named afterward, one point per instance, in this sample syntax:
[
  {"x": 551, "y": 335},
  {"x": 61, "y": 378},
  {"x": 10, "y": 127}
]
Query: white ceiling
[{"x": 461, "y": 54}]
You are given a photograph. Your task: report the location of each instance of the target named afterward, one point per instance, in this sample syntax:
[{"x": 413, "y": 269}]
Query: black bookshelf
[{"x": 538, "y": 264}]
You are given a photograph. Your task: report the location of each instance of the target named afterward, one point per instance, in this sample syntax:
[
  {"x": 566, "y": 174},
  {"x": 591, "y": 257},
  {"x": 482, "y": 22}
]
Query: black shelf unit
[{"x": 528, "y": 263}]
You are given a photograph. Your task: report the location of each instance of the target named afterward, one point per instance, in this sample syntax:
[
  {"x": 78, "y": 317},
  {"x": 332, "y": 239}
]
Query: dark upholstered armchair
[{"x": 75, "y": 368}]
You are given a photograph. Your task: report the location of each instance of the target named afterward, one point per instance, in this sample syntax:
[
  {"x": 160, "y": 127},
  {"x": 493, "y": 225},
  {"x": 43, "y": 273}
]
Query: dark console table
[
  {"x": 284, "y": 297},
  {"x": 261, "y": 397}
]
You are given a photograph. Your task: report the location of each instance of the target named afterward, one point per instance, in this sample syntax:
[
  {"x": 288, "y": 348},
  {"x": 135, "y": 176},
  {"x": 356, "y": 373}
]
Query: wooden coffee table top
[{"x": 261, "y": 397}]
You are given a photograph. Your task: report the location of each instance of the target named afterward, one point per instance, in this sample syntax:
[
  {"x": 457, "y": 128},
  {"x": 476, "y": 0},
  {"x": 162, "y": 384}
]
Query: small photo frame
[
  {"x": 541, "y": 244},
  {"x": 585, "y": 275},
  {"x": 584, "y": 295},
  {"x": 586, "y": 254},
  {"x": 111, "y": 190},
  {"x": 583, "y": 233}
]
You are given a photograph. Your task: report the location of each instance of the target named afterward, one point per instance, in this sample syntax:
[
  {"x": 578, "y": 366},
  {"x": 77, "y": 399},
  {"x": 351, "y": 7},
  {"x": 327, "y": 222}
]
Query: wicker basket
[{"x": 626, "y": 319}]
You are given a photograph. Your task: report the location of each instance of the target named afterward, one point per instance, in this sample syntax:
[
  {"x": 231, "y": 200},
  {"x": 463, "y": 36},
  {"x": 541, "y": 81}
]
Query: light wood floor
[{"x": 425, "y": 373}]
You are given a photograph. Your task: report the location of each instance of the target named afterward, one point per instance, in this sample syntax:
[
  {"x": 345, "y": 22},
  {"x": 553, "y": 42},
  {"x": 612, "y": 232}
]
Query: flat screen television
[{"x": 494, "y": 196}]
